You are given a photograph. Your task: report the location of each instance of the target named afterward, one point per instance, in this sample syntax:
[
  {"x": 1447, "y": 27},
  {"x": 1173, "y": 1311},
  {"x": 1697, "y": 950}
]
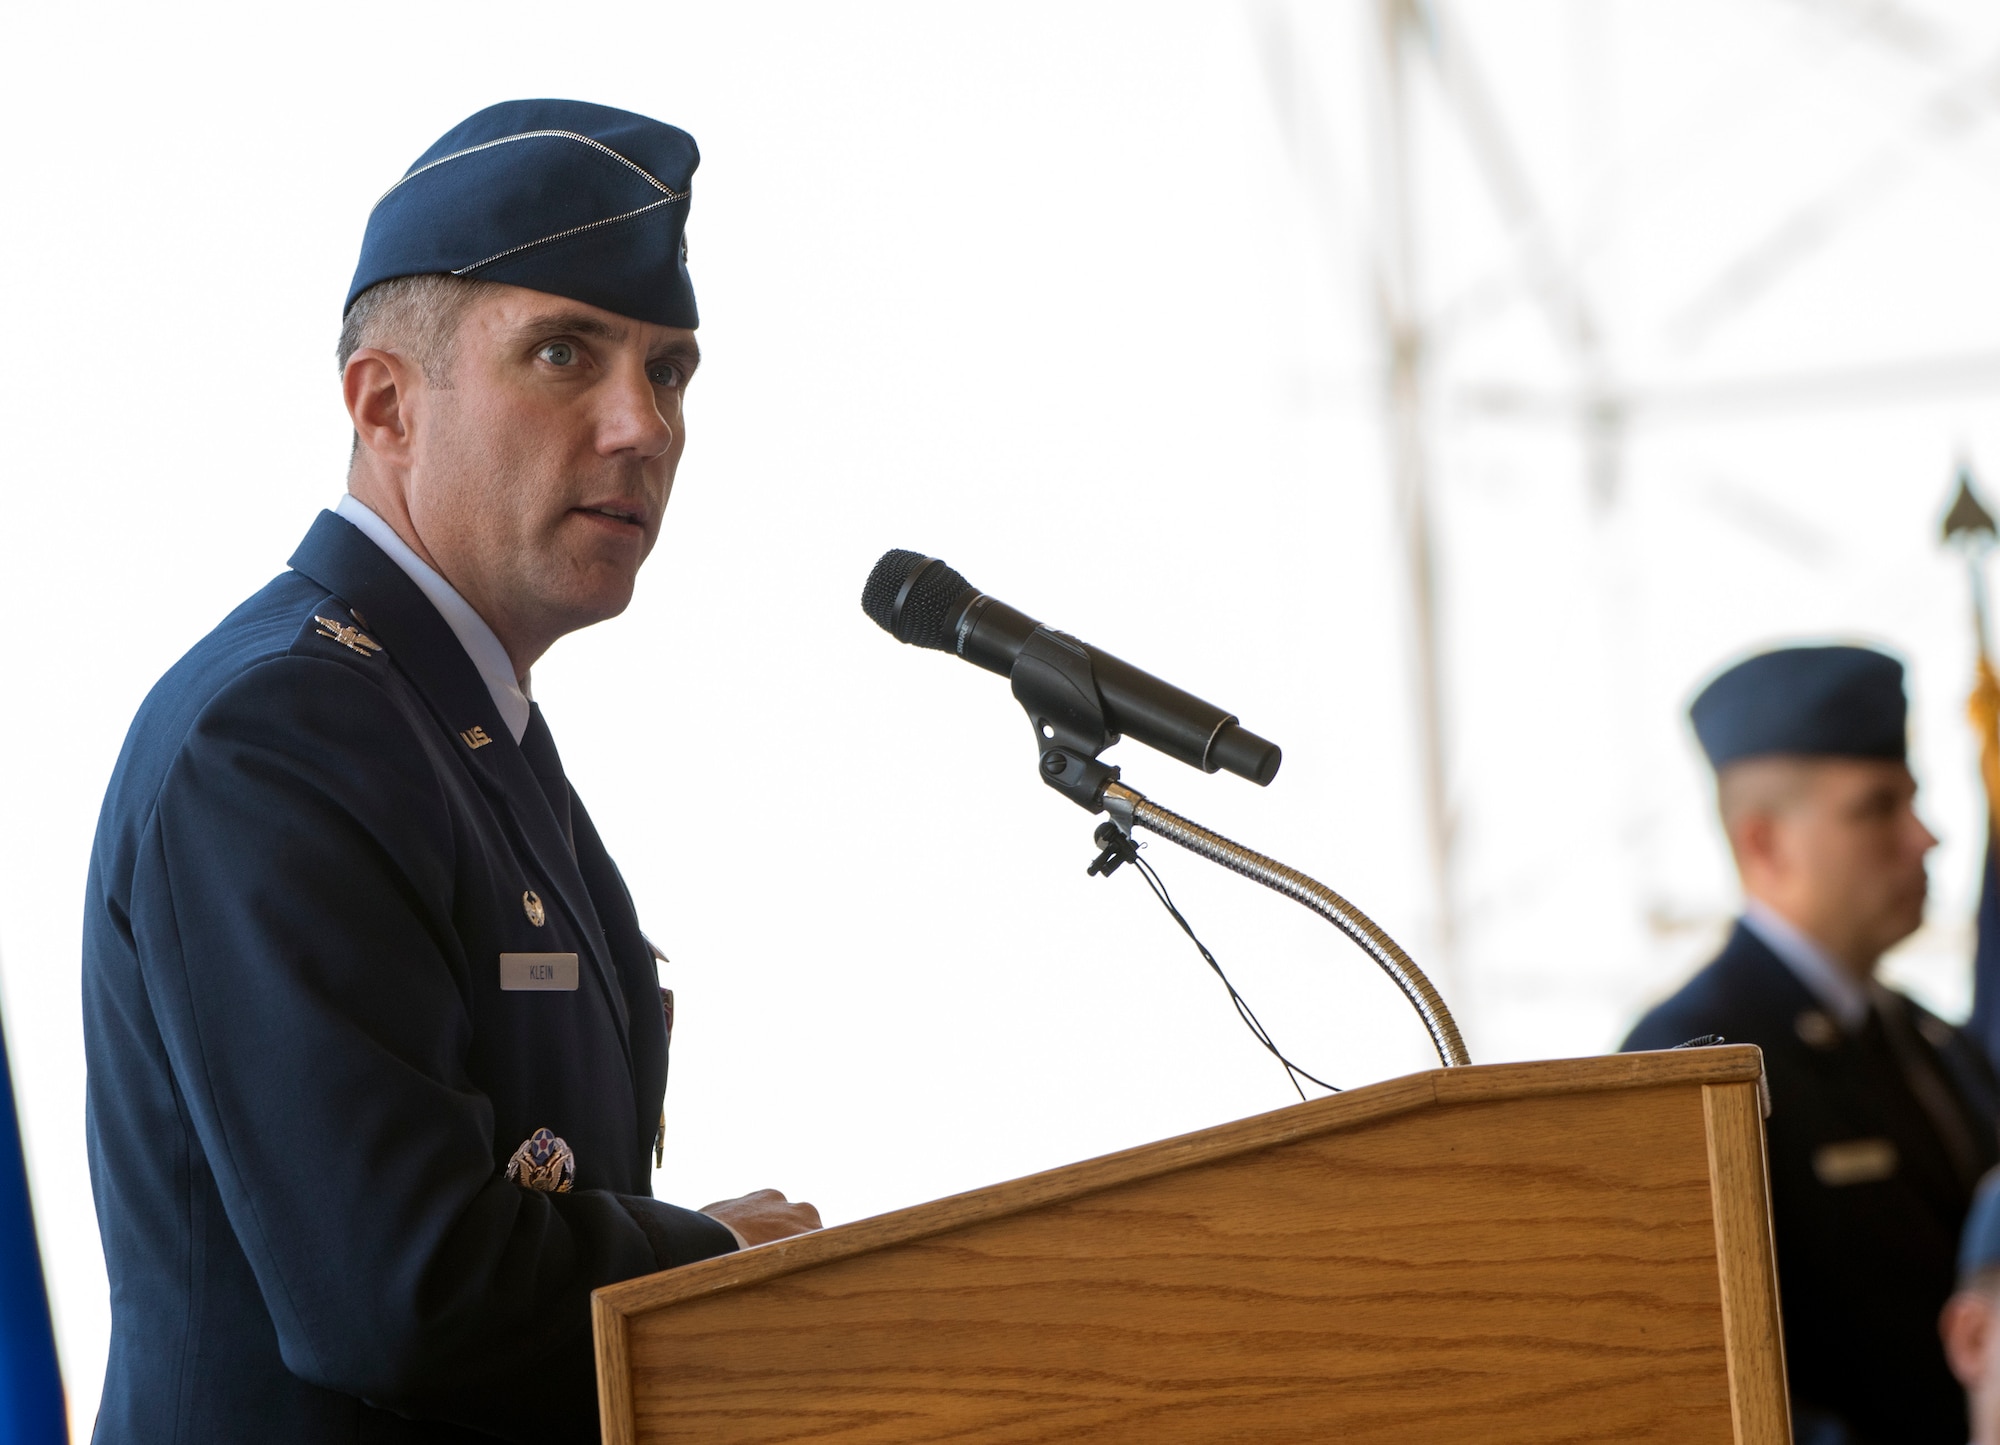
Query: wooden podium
[{"x": 1567, "y": 1251}]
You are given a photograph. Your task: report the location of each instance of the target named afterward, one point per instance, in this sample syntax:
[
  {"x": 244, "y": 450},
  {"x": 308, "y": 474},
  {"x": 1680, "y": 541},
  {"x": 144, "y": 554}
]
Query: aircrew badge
[
  {"x": 543, "y": 1162},
  {"x": 347, "y": 635}
]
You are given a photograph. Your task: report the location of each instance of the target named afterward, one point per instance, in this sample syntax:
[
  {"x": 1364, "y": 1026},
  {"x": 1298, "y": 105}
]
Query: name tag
[
  {"x": 1854, "y": 1161},
  {"x": 538, "y": 971}
]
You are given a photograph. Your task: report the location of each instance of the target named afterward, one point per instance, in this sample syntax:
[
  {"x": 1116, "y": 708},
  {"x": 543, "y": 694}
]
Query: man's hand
[{"x": 763, "y": 1216}]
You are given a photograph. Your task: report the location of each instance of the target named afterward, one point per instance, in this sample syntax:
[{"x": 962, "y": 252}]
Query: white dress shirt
[
  {"x": 511, "y": 695},
  {"x": 1837, "y": 991}
]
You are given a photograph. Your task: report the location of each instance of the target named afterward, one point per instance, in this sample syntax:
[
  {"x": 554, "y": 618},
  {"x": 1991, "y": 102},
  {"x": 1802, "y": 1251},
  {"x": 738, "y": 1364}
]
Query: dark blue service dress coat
[
  {"x": 1876, "y": 1141},
  {"x": 305, "y": 1077}
]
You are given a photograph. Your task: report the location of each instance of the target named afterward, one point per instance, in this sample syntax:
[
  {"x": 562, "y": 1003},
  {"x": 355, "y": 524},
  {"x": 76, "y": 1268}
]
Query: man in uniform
[
  {"x": 376, "y": 1046},
  {"x": 1882, "y": 1116},
  {"x": 1970, "y": 1323}
]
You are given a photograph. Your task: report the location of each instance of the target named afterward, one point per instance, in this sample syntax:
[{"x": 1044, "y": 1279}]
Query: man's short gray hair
[
  {"x": 1772, "y": 783},
  {"x": 415, "y": 315}
]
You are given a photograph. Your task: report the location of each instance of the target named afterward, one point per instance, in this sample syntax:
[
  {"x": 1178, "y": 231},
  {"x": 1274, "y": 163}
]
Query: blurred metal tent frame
[{"x": 1422, "y": 42}]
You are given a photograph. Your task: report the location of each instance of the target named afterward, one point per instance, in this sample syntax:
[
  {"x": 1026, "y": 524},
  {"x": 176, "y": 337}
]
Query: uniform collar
[
  {"x": 1825, "y": 980},
  {"x": 510, "y": 696},
  {"x": 386, "y": 601}
]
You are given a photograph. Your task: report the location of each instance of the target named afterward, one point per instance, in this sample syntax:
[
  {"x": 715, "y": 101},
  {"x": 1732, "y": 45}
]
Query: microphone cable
[{"x": 1119, "y": 848}]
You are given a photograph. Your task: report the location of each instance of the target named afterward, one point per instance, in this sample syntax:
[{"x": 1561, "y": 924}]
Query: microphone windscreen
[
  {"x": 878, "y": 594},
  {"x": 916, "y": 599}
]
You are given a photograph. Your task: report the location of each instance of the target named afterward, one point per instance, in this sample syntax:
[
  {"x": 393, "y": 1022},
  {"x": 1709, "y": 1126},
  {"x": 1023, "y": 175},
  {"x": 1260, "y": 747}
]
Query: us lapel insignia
[
  {"x": 532, "y": 906},
  {"x": 475, "y": 737},
  {"x": 1816, "y": 1030},
  {"x": 348, "y": 636},
  {"x": 543, "y": 1162}
]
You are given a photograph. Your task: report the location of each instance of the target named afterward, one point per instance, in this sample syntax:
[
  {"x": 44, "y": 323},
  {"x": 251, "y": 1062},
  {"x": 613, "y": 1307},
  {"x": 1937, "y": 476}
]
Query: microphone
[{"x": 921, "y": 601}]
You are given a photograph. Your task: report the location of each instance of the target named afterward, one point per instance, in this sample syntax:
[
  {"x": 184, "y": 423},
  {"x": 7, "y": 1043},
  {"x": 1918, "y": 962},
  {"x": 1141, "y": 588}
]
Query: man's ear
[
  {"x": 1966, "y": 1326},
  {"x": 380, "y": 387},
  {"x": 1753, "y": 838}
]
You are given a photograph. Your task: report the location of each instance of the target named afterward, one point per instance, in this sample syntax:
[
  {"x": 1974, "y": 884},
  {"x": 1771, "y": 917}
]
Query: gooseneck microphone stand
[
  {"x": 1129, "y": 809},
  {"x": 1054, "y": 682},
  {"x": 1078, "y": 699}
]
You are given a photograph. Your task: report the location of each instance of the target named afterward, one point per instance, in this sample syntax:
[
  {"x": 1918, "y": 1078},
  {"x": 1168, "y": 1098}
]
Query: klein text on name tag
[
  {"x": 538, "y": 971},
  {"x": 1854, "y": 1161}
]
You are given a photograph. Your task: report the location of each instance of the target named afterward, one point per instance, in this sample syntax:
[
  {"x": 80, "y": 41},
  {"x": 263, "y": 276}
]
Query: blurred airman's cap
[
  {"x": 1979, "y": 1243},
  {"x": 1841, "y": 702}
]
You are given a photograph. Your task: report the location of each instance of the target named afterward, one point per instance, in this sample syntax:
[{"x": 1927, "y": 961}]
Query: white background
[{"x": 1077, "y": 296}]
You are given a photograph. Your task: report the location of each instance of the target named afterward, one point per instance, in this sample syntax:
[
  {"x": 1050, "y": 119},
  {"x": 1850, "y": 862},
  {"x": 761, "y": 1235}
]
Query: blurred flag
[
  {"x": 1969, "y": 529},
  {"x": 31, "y": 1396},
  {"x": 1985, "y": 1022}
]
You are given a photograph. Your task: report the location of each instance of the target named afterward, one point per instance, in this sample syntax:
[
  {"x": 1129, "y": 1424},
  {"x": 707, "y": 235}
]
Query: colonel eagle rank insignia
[
  {"x": 348, "y": 636},
  {"x": 543, "y": 1162}
]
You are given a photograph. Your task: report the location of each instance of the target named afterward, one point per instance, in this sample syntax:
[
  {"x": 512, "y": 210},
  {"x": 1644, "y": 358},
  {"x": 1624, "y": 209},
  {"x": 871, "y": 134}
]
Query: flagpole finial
[{"x": 1967, "y": 523}]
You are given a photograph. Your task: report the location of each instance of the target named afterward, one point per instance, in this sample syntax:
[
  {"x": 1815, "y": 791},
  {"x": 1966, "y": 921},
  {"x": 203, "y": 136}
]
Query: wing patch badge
[{"x": 348, "y": 636}]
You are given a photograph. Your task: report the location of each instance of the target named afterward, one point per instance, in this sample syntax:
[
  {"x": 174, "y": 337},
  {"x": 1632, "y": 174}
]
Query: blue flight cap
[
  {"x": 1840, "y": 702},
  {"x": 559, "y": 196},
  {"x": 1979, "y": 1242}
]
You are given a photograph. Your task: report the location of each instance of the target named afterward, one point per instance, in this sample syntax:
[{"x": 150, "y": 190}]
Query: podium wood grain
[{"x": 1567, "y": 1251}]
